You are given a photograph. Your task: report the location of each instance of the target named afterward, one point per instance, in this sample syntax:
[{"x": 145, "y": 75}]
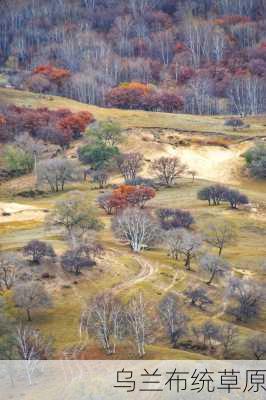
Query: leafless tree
[
  {"x": 168, "y": 169},
  {"x": 101, "y": 178},
  {"x": 129, "y": 164},
  {"x": 197, "y": 37},
  {"x": 104, "y": 202},
  {"x": 190, "y": 245},
  {"x": 9, "y": 264},
  {"x": 214, "y": 266},
  {"x": 136, "y": 227},
  {"x": 31, "y": 296},
  {"x": 37, "y": 250},
  {"x": 56, "y": 172},
  {"x": 139, "y": 325},
  {"x": 193, "y": 173},
  {"x": 78, "y": 258},
  {"x": 247, "y": 297},
  {"x": 220, "y": 235},
  {"x": 228, "y": 338},
  {"x": 31, "y": 347},
  {"x": 247, "y": 96},
  {"x": 173, "y": 241},
  {"x": 104, "y": 317},
  {"x": 257, "y": 346},
  {"x": 198, "y": 297},
  {"x": 173, "y": 319},
  {"x": 209, "y": 333}
]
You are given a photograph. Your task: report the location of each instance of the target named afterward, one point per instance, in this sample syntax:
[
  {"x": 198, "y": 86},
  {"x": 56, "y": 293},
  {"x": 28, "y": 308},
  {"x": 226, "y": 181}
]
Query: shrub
[
  {"x": 174, "y": 218},
  {"x": 234, "y": 122},
  {"x": 98, "y": 156},
  {"x": 17, "y": 161},
  {"x": 256, "y": 160},
  {"x": 235, "y": 198}
]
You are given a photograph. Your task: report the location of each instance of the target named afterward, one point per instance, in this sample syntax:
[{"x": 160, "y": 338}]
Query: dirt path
[
  {"x": 146, "y": 271},
  {"x": 174, "y": 280}
]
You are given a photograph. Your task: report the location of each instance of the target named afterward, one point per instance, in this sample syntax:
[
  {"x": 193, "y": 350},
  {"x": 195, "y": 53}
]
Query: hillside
[
  {"x": 204, "y": 144},
  {"x": 212, "y": 125}
]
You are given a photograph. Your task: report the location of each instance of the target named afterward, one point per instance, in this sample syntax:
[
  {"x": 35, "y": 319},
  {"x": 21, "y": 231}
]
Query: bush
[
  {"x": 18, "y": 161},
  {"x": 234, "y": 122},
  {"x": 174, "y": 218},
  {"x": 256, "y": 160},
  {"x": 98, "y": 156},
  {"x": 213, "y": 194}
]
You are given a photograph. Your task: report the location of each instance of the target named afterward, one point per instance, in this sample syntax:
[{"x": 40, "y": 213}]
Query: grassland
[
  {"x": 138, "y": 119},
  {"x": 118, "y": 269}
]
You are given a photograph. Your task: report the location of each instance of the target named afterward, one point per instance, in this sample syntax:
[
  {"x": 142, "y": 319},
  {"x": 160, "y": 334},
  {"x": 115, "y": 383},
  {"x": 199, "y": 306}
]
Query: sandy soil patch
[
  {"x": 10, "y": 212},
  {"x": 214, "y": 163}
]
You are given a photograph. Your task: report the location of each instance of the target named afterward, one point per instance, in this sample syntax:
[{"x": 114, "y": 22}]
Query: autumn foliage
[
  {"x": 54, "y": 126},
  {"x": 126, "y": 196},
  {"x": 136, "y": 95},
  {"x": 57, "y": 75}
]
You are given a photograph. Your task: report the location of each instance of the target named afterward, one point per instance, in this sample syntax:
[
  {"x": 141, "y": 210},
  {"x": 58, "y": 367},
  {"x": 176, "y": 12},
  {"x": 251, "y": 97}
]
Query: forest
[{"x": 206, "y": 57}]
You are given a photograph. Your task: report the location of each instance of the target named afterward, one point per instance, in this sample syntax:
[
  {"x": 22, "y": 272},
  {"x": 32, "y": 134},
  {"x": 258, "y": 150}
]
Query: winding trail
[{"x": 146, "y": 271}]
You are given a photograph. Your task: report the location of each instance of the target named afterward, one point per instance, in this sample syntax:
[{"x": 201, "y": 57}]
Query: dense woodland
[{"x": 204, "y": 57}]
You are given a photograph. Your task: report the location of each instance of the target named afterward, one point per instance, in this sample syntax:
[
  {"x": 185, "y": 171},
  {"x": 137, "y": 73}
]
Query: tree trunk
[
  {"x": 29, "y": 315},
  {"x": 211, "y": 278},
  {"x": 187, "y": 263}
]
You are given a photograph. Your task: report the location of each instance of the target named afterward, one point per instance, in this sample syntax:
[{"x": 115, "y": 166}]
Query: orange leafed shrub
[
  {"x": 52, "y": 73},
  {"x": 142, "y": 87}
]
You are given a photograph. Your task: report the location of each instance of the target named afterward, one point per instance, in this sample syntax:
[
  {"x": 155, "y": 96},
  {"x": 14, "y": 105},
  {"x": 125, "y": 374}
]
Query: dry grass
[
  {"x": 137, "y": 119},
  {"x": 118, "y": 265}
]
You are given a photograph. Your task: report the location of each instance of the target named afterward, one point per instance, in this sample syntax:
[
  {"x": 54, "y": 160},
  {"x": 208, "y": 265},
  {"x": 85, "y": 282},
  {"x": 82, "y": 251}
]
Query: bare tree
[
  {"x": 8, "y": 270},
  {"x": 136, "y": 227},
  {"x": 228, "y": 338},
  {"x": 247, "y": 96},
  {"x": 104, "y": 317},
  {"x": 129, "y": 165},
  {"x": 209, "y": 333},
  {"x": 214, "y": 266},
  {"x": 193, "y": 173},
  {"x": 31, "y": 296},
  {"x": 173, "y": 319},
  {"x": 173, "y": 241},
  {"x": 138, "y": 322},
  {"x": 198, "y": 297},
  {"x": 168, "y": 169},
  {"x": 37, "y": 250},
  {"x": 56, "y": 172},
  {"x": 101, "y": 178},
  {"x": 78, "y": 258},
  {"x": 257, "y": 346},
  {"x": 31, "y": 347},
  {"x": 190, "y": 245},
  {"x": 220, "y": 235},
  {"x": 235, "y": 198},
  {"x": 248, "y": 299}
]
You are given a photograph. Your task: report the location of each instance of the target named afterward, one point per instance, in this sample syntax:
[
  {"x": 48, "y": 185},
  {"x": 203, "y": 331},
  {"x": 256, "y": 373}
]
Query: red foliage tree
[
  {"x": 59, "y": 126},
  {"x": 125, "y": 196},
  {"x": 137, "y": 95}
]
